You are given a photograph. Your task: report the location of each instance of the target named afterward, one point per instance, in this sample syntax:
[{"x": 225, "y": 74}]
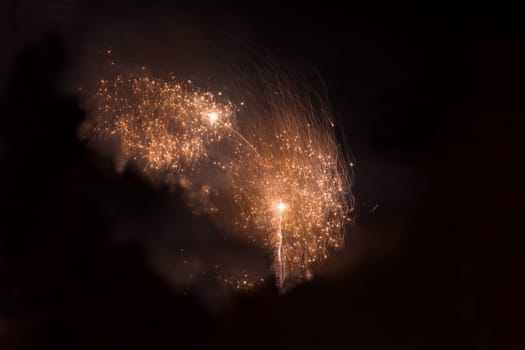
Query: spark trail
[{"x": 281, "y": 267}]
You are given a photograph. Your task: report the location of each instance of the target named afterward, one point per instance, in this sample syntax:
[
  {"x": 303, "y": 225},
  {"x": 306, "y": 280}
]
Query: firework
[
  {"x": 163, "y": 127},
  {"x": 295, "y": 191},
  {"x": 287, "y": 181}
]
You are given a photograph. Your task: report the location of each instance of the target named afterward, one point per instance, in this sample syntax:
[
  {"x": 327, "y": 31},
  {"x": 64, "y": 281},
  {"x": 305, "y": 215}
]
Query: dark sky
[{"x": 430, "y": 104}]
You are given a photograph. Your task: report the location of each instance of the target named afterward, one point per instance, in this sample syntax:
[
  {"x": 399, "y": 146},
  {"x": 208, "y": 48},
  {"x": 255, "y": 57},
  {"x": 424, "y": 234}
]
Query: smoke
[{"x": 190, "y": 251}]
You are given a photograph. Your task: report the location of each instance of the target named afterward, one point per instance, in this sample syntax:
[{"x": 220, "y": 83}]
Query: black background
[{"x": 430, "y": 100}]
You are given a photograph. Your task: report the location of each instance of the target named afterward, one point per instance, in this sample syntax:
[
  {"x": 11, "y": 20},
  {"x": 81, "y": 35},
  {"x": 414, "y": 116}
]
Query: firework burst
[
  {"x": 294, "y": 191},
  {"x": 287, "y": 180},
  {"x": 163, "y": 127}
]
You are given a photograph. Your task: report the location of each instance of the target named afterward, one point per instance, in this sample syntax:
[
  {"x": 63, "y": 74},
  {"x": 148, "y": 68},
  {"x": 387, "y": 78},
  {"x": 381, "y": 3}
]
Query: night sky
[{"x": 429, "y": 103}]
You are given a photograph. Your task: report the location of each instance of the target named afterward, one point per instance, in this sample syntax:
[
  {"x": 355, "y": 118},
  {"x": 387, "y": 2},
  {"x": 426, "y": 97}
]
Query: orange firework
[
  {"x": 295, "y": 189},
  {"x": 161, "y": 126},
  {"x": 287, "y": 177}
]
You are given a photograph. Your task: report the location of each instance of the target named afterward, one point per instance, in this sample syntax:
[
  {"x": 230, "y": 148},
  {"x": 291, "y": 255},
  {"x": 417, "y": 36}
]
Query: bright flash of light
[
  {"x": 280, "y": 152},
  {"x": 213, "y": 117}
]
